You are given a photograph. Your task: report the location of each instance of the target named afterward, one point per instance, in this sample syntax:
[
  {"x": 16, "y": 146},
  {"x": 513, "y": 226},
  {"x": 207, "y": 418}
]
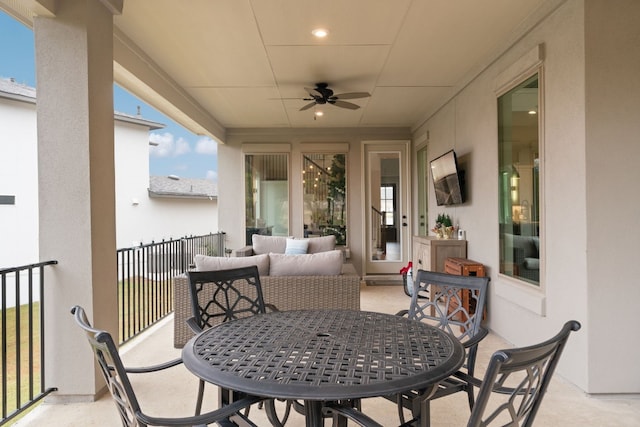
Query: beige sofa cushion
[
  {"x": 319, "y": 264},
  {"x": 266, "y": 244},
  {"x": 212, "y": 263},
  {"x": 321, "y": 244}
]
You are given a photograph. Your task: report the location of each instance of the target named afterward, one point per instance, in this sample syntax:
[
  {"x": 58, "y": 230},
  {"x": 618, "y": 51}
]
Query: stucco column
[{"x": 74, "y": 68}]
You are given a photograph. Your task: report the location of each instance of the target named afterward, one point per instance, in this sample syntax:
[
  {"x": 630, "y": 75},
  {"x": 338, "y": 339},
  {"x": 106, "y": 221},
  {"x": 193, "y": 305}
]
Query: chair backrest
[
  {"x": 516, "y": 381},
  {"x": 112, "y": 369},
  {"x": 446, "y": 309},
  {"x": 223, "y": 295}
]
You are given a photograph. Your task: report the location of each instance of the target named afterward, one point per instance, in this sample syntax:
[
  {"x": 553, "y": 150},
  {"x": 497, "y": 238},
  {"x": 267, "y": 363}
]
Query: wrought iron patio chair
[
  {"x": 116, "y": 377},
  {"x": 447, "y": 311},
  {"x": 221, "y": 296},
  {"x": 511, "y": 392}
]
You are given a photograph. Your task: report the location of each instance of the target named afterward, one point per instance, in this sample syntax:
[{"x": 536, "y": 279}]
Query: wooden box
[{"x": 465, "y": 267}]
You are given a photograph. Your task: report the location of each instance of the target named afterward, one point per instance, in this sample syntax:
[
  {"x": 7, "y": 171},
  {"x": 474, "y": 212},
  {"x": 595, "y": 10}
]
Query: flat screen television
[{"x": 448, "y": 180}]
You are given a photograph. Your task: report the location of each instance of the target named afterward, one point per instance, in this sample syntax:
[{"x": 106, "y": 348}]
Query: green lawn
[
  {"x": 139, "y": 296},
  {"x": 12, "y": 357}
]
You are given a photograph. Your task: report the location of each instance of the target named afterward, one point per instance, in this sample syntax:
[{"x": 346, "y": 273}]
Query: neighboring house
[{"x": 147, "y": 208}]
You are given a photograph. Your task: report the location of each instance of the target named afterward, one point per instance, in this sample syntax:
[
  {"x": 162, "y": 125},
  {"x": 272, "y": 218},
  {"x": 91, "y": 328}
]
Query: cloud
[
  {"x": 167, "y": 146},
  {"x": 212, "y": 175},
  {"x": 206, "y": 146},
  {"x": 182, "y": 147}
]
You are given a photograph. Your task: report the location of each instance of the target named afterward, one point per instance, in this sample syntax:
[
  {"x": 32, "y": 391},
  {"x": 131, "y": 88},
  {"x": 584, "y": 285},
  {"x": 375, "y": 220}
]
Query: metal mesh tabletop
[{"x": 323, "y": 355}]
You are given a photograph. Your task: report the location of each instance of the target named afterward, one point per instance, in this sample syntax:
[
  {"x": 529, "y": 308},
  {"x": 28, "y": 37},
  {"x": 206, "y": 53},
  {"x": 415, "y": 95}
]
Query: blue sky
[{"x": 179, "y": 152}]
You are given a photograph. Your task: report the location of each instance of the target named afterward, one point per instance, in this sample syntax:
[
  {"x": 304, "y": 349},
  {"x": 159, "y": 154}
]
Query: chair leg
[
  {"x": 200, "y": 396},
  {"x": 425, "y": 413},
  {"x": 470, "y": 396},
  {"x": 272, "y": 414}
]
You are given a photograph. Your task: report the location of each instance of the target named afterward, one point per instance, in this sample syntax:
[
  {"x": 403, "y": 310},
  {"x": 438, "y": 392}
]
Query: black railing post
[{"x": 14, "y": 353}]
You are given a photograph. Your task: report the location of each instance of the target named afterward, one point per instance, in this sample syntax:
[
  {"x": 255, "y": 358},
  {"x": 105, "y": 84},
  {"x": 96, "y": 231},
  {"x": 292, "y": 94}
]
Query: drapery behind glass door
[{"x": 266, "y": 195}]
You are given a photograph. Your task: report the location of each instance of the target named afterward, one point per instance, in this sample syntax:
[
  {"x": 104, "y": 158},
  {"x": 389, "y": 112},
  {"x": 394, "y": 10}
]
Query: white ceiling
[{"x": 245, "y": 63}]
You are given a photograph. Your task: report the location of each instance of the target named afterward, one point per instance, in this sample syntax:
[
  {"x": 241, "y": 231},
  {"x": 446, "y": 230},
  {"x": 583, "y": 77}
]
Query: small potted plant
[{"x": 444, "y": 227}]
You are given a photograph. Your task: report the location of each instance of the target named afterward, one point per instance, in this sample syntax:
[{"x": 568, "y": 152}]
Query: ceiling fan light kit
[{"x": 321, "y": 94}]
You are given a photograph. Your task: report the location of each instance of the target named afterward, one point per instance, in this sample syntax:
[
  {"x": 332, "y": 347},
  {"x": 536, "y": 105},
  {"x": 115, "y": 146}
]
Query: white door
[{"x": 386, "y": 209}]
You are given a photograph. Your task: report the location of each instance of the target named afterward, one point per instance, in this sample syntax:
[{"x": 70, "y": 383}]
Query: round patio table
[{"x": 323, "y": 355}]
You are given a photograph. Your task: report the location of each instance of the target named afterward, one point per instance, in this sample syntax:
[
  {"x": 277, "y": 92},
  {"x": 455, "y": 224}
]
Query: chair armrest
[
  {"x": 245, "y": 251},
  {"x": 271, "y": 307},
  {"x": 217, "y": 416},
  {"x": 469, "y": 379},
  {"x": 154, "y": 368},
  {"x": 193, "y": 324},
  {"x": 483, "y": 332}
]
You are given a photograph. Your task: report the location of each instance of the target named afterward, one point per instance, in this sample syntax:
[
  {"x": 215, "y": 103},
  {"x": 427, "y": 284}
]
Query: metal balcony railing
[
  {"x": 145, "y": 295},
  {"x": 145, "y": 288},
  {"x": 22, "y": 331}
]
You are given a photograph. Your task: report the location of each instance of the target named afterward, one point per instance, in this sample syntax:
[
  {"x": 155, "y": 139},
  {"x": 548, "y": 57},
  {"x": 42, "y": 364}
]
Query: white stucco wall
[
  {"x": 18, "y": 177},
  {"x": 140, "y": 218},
  {"x": 613, "y": 207},
  {"x": 590, "y": 147},
  {"x": 151, "y": 219}
]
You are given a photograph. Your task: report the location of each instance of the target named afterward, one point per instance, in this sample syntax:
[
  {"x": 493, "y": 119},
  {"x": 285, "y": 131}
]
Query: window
[
  {"x": 325, "y": 195},
  {"x": 266, "y": 195},
  {"x": 7, "y": 200},
  {"x": 519, "y": 178},
  {"x": 388, "y": 203}
]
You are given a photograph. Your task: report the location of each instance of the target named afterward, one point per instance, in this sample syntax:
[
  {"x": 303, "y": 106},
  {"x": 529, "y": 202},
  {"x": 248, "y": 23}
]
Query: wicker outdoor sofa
[{"x": 338, "y": 290}]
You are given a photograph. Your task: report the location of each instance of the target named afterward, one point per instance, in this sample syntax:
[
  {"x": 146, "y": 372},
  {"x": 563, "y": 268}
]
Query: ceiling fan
[{"x": 321, "y": 94}]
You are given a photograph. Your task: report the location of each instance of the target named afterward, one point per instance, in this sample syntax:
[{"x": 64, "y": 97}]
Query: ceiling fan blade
[
  {"x": 309, "y": 105},
  {"x": 313, "y": 92},
  {"x": 353, "y": 95},
  {"x": 345, "y": 104}
]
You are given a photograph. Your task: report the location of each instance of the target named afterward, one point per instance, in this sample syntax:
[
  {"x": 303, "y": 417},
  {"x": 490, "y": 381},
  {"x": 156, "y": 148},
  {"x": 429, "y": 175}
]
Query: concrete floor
[{"x": 173, "y": 392}]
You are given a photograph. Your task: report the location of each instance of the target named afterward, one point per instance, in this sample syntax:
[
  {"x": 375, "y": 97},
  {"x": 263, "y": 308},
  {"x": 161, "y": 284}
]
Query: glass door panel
[{"x": 386, "y": 210}]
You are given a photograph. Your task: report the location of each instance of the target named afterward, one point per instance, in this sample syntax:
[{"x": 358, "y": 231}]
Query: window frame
[{"x": 517, "y": 291}]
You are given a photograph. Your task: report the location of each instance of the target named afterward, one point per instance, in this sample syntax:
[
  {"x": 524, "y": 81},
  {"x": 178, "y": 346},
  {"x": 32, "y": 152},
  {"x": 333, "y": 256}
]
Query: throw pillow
[
  {"x": 296, "y": 246},
  {"x": 321, "y": 244},
  {"x": 320, "y": 264},
  {"x": 213, "y": 263},
  {"x": 265, "y": 244}
]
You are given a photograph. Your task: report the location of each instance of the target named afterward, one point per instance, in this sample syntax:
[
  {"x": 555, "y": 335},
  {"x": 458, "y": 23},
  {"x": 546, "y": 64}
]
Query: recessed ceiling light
[
  {"x": 532, "y": 112},
  {"x": 320, "y": 33},
  {"x": 319, "y": 113}
]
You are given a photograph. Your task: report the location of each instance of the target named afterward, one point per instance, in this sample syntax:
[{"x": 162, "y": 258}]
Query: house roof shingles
[{"x": 164, "y": 186}]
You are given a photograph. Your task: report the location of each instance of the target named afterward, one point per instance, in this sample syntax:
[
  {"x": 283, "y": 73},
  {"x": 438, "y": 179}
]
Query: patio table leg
[{"x": 313, "y": 413}]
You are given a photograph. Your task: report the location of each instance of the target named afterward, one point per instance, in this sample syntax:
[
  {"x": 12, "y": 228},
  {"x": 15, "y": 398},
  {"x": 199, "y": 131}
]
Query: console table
[{"x": 430, "y": 253}]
